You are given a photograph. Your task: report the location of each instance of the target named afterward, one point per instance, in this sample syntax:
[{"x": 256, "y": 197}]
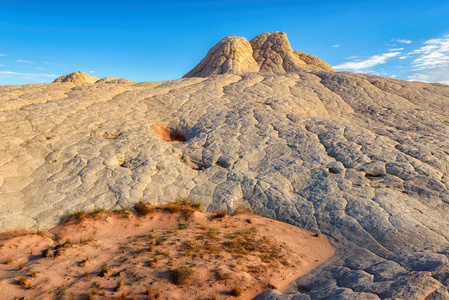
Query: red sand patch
[
  {"x": 168, "y": 135},
  {"x": 244, "y": 254}
]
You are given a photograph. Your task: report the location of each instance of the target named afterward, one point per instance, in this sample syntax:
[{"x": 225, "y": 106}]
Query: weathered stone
[
  {"x": 359, "y": 158},
  {"x": 77, "y": 77}
]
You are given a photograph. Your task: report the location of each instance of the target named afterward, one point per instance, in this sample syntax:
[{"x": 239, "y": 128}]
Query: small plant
[
  {"x": 183, "y": 225},
  {"x": 29, "y": 285},
  {"x": 118, "y": 284},
  {"x": 86, "y": 274},
  {"x": 158, "y": 241},
  {"x": 121, "y": 296},
  {"x": 220, "y": 215},
  {"x": 8, "y": 261},
  {"x": 150, "y": 247},
  {"x": 150, "y": 294},
  {"x": 104, "y": 268},
  {"x": 133, "y": 297},
  {"x": 236, "y": 291},
  {"x": 20, "y": 265},
  {"x": 103, "y": 293},
  {"x": 32, "y": 273},
  {"x": 181, "y": 274},
  {"x": 22, "y": 281},
  {"x": 142, "y": 208},
  {"x": 67, "y": 241},
  {"x": 40, "y": 232},
  {"x": 92, "y": 293},
  {"x": 98, "y": 210}
]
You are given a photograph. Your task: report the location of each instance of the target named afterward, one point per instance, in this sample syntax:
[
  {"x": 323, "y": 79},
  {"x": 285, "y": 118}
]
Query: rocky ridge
[
  {"x": 266, "y": 53},
  {"x": 360, "y": 158}
]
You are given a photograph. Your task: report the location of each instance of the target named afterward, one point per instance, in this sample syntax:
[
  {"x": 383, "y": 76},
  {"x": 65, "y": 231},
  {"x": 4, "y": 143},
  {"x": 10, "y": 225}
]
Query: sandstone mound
[
  {"x": 231, "y": 55},
  {"x": 77, "y": 77},
  {"x": 115, "y": 80},
  {"x": 266, "y": 53}
]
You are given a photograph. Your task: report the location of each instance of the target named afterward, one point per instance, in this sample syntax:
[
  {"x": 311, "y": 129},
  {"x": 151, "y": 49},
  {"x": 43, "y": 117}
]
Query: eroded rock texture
[
  {"x": 77, "y": 77},
  {"x": 360, "y": 158},
  {"x": 269, "y": 53}
]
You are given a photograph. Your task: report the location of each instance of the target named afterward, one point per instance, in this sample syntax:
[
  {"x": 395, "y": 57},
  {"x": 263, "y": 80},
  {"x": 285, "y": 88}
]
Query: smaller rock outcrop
[
  {"x": 115, "y": 80},
  {"x": 268, "y": 53},
  {"x": 77, "y": 77}
]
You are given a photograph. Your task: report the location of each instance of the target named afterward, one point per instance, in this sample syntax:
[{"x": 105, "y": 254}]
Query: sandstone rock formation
[
  {"x": 115, "y": 80},
  {"x": 77, "y": 77},
  {"x": 360, "y": 158},
  {"x": 266, "y": 53}
]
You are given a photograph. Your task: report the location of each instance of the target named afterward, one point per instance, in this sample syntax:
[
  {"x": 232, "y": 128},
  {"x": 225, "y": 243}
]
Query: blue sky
[{"x": 153, "y": 41}]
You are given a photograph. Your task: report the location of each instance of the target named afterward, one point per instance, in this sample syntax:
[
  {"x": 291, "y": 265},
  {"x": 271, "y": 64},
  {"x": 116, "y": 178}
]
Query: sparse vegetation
[
  {"x": 92, "y": 293},
  {"x": 121, "y": 296},
  {"x": 181, "y": 274},
  {"x": 8, "y": 260},
  {"x": 22, "y": 281},
  {"x": 86, "y": 273},
  {"x": 118, "y": 284},
  {"x": 236, "y": 291},
  {"x": 20, "y": 265},
  {"x": 32, "y": 273},
  {"x": 143, "y": 208}
]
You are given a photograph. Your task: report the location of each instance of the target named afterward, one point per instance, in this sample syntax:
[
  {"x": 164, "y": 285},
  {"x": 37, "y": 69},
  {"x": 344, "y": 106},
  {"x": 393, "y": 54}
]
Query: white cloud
[
  {"x": 403, "y": 41},
  {"x": 2, "y": 54},
  {"x": 396, "y": 49},
  {"x": 2, "y": 65},
  {"x": 24, "y": 61},
  {"x": 91, "y": 71},
  {"x": 352, "y": 57},
  {"x": 27, "y": 76},
  {"x": 39, "y": 68},
  {"x": 444, "y": 82},
  {"x": 336, "y": 45},
  {"x": 435, "y": 54},
  {"x": 370, "y": 62}
]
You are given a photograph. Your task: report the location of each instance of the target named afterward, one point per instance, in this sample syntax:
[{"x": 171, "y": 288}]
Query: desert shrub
[
  {"x": 181, "y": 274},
  {"x": 236, "y": 291},
  {"x": 143, "y": 208}
]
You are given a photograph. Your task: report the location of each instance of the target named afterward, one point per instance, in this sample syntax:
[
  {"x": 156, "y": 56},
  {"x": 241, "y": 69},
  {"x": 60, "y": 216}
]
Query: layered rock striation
[{"x": 269, "y": 53}]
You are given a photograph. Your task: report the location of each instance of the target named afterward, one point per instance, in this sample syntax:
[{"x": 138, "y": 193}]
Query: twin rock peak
[{"x": 268, "y": 53}]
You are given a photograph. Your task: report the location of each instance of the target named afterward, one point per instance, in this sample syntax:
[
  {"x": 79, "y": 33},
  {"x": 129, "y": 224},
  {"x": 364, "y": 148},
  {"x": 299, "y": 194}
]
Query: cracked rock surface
[{"x": 360, "y": 158}]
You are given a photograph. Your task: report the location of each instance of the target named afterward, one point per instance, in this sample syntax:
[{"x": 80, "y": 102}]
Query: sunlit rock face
[
  {"x": 360, "y": 158},
  {"x": 268, "y": 53},
  {"x": 77, "y": 77}
]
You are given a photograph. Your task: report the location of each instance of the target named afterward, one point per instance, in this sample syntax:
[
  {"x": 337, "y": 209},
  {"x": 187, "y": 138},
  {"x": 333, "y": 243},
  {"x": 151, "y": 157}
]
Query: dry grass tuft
[
  {"x": 9, "y": 234},
  {"x": 181, "y": 274},
  {"x": 22, "y": 281},
  {"x": 236, "y": 291},
  {"x": 143, "y": 208}
]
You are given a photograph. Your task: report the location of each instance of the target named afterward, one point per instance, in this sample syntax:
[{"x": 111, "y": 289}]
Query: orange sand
[{"x": 121, "y": 241}]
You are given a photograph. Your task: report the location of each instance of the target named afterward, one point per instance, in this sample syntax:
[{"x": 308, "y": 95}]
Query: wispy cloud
[
  {"x": 36, "y": 77},
  {"x": 435, "y": 54},
  {"x": 370, "y": 62},
  {"x": 2, "y": 65},
  {"x": 336, "y": 45},
  {"x": 24, "y": 61},
  {"x": 396, "y": 49},
  {"x": 39, "y": 68},
  {"x": 403, "y": 41},
  {"x": 2, "y": 54}
]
